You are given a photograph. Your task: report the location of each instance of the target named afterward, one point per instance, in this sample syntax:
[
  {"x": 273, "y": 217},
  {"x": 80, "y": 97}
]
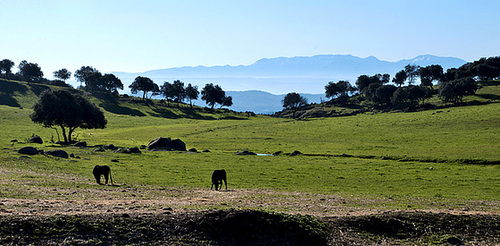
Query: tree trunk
[
  {"x": 70, "y": 132},
  {"x": 64, "y": 134},
  {"x": 58, "y": 136}
]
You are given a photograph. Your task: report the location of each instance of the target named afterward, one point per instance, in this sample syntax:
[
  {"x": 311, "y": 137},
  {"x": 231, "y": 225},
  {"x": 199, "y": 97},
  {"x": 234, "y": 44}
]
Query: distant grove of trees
[
  {"x": 455, "y": 84},
  {"x": 94, "y": 82}
]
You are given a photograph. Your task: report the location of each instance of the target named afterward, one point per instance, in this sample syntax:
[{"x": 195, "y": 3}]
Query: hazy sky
[{"x": 135, "y": 36}]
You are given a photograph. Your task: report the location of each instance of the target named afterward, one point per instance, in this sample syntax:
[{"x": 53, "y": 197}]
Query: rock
[
  {"x": 454, "y": 241},
  {"x": 28, "y": 150},
  {"x": 278, "y": 153},
  {"x": 245, "y": 152},
  {"x": 99, "y": 149},
  {"x": 205, "y": 151},
  {"x": 35, "y": 139},
  {"x": 295, "y": 153},
  {"x": 57, "y": 153},
  {"x": 133, "y": 150},
  {"x": 80, "y": 144},
  {"x": 167, "y": 144},
  {"x": 114, "y": 160},
  {"x": 110, "y": 146},
  {"x": 192, "y": 150},
  {"x": 13, "y": 141}
]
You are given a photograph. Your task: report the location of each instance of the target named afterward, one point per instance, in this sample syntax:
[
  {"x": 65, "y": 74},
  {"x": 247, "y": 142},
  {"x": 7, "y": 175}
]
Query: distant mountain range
[{"x": 258, "y": 86}]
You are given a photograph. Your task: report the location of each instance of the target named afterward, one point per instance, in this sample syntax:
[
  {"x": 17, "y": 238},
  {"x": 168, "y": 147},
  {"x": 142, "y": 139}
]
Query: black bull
[
  {"x": 102, "y": 170},
  {"x": 219, "y": 176}
]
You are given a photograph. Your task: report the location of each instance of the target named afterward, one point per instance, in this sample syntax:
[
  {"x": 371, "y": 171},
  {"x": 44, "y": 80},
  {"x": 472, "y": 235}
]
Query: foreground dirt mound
[
  {"x": 415, "y": 228},
  {"x": 249, "y": 227},
  {"x": 230, "y": 227}
]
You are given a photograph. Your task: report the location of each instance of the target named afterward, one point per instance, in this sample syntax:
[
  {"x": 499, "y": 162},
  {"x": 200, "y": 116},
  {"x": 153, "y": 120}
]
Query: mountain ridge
[
  {"x": 317, "y": 63},
  {"x": 281, "y": 75}
]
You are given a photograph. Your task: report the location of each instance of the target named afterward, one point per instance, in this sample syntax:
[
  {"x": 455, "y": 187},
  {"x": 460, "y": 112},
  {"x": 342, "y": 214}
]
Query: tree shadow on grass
[
  {"x": 168, "y": 113},
  {"x": 38, "y": 89},
  {"x": 7, "y": 90},
  {"x": 7, "y": 99},
  {"x": 116, "y": 108},
  {"x": 489, "y": 96}
]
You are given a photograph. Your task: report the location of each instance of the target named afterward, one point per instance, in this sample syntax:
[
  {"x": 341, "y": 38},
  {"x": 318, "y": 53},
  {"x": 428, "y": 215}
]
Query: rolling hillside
[{"x": 441, "y": 161}]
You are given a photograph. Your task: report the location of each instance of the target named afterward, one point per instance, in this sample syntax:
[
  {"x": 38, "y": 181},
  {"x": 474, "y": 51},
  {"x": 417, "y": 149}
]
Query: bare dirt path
[{"x": 145, "y": 200}]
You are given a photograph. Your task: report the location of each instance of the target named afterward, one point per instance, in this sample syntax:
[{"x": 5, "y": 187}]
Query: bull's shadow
[{"x": 225, "y": 190}]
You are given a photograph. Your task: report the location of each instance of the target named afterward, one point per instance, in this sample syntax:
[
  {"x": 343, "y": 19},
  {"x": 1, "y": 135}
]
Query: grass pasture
[{"x": 435, "y": 159}]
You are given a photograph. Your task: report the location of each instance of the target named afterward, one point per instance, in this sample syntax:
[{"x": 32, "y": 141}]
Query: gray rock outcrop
[
  {"x": 28, "y": 150},
  {"x": 57, "y": 153},
  {"x": 162, "y": 143}
]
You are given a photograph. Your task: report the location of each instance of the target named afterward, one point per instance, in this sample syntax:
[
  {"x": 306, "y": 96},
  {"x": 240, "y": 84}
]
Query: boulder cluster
[
  {"x": 158, "y": 144},
  {"x": 28, "y": 150}
]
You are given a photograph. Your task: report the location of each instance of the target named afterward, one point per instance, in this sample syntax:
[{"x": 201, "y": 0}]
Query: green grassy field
[{"x": 402, "y": 156}]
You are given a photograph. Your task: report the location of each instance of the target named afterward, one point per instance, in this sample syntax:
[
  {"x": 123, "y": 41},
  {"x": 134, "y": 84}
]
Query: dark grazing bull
[
  {"x": 218, "y": 176},
  {"x": 102, "y": 170}
]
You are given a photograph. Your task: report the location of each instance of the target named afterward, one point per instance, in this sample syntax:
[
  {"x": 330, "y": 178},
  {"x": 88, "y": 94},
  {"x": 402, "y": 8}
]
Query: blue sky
[{"x": 136, "y": 36}]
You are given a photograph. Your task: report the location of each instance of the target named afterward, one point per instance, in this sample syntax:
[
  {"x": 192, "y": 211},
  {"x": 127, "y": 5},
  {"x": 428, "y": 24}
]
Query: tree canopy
[
  {"x": 411, "y": 73},
  {"x": 429, "y": 74},
  {"x": 179, "y": 91},
  {"x": 410, "y": 96},
  {"x": 6, "y": 66},
  {"x": 192, "y": 93},
  {"x": 383, "y": 94},
  {"x": 62, "y": 74},
  {"x": 110, "y": 83},
  {"x": 400, "y": 78},
  {"x": 364, "y": 81},
  {"x": 144, "y": 84},
  {"x": 95, "y": 82},
  {"x": 227, "y": 102},
  {"x": 454, "y": 91},
  {"x": 68, "y": 111},
  {"x": 30, "y": 71},
  {"x": 213, "y": 94},
  {"x": 89, "y": 76},
  {"x": 340, "y": 89},
  {"x": 294, "y": 101}
]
